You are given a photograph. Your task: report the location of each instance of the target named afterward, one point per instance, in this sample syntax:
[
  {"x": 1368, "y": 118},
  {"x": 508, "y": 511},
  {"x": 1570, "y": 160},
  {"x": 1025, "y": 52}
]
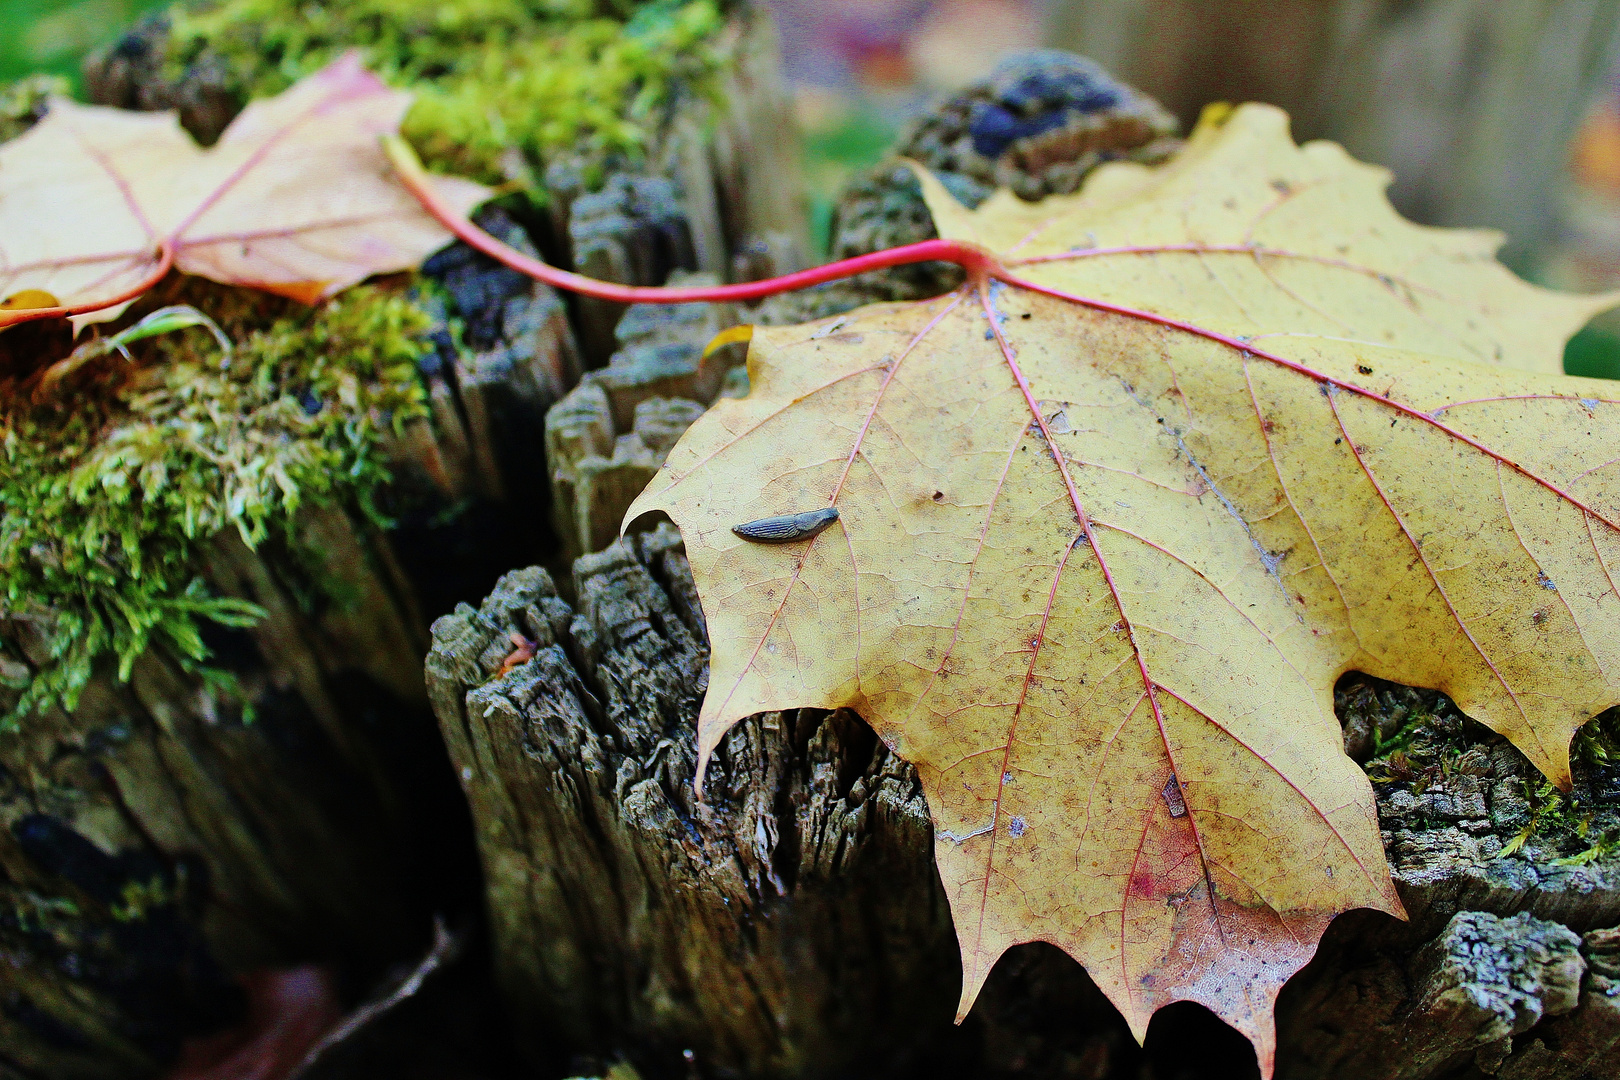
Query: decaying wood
[
  {"x": 755, "y": 156},
  {"x": 1488, "y": 974},
  {"x": 632, "y": 231},
  {"x": 469, "y": 493},
  {"x": 1513, "y": 996},
  {"x": 159, "y": 841},
  {"x": 130, "y": 75},
  {"x": 791, "y": 925},
  {"x": 782, "y": 927},
  {"x": 719, "y": 194},
  {"x": 608, "y": 437},
  {"x": 630, "y": 919},
  {"x": 1037, "y": 125},
  {"x": 171, "y": 832}
]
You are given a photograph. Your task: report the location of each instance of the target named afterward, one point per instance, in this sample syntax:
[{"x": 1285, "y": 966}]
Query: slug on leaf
[{"x": 786, "y": 528}]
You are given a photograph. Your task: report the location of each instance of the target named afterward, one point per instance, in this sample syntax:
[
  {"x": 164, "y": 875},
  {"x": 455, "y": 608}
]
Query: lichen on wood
[
  {"x": 1512, "y": 892},
  {"x": 1037, "y": 125},
  {"x": 1472, "y": 822}
]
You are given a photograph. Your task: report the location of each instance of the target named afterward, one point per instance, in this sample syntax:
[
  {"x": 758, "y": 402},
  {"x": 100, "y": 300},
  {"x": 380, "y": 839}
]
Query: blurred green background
[{"x": 54, "y": 35}]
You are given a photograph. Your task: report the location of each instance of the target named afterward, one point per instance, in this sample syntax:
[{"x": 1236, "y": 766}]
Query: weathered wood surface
[
  {"x": 720, "y": 193},
  {"x": 160, "y": 843},
  {"x": 1507, "y": 963},
  {"x": 469, "y": 494},
  {"x": 1042, "y": 122},
  {"x": 1384, "y": 1001},
  {"x": 793, "y": 923},
  {"x": 608, "y": 437},
  {"x": 780, "y": 928},
  {"x": 1037, "y": 125},
  {"x": 160, "y": 839}
]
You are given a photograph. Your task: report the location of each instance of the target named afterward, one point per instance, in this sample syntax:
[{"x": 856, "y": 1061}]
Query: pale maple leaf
[
  {"x": 296, "y": 198},
  {"x": 1115, "y": 516}
]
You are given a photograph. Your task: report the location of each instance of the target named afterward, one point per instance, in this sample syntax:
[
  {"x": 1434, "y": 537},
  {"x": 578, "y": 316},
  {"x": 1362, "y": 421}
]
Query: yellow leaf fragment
[
  {"x": 27, "y": 300},
  {"x": 295, "y": 198},
  {"x": 1299, "y": 241},
  {"x": 1111, "y": 526}
]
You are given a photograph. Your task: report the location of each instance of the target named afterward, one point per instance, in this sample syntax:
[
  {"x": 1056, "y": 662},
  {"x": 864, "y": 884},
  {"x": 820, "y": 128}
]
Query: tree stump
[
  {"x": 1506, "y": 967},
  {"x": 1514, "y": 895},
  {"x": 608, "y": 437},
  {"x": 170, "y": 834},
  {"x": 793, "y": 924},
  {"x": 783, "y": 926},
  {"x": 1039, "y": 124},
  {"x": 287, "y": 803}
]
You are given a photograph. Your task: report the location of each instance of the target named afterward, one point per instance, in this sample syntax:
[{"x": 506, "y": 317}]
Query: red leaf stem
[
  {"x": 970, "y": 257},
  {"x": 165, "y": 262}
]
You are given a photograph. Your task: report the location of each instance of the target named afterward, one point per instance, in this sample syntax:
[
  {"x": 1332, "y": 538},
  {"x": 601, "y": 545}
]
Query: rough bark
[
  {"x": 1040, "y": 124},
  {"x": 1376, "y": 1003},
  {"x": 159, "y": 841},
  {"x": 720, "y": 193},
  {"x": 783, "y": 927},
  {"x": 162, "y": 836},
  {"x": 1501, "y": 877},
  {"x": 605, "y": 440},
  {"x": 793, "y": 923}
]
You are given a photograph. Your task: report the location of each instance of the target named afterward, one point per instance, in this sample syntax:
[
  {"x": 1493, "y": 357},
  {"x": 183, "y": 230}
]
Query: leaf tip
[
  {"x": 952, "y": 220},
  {"x": 976, "y": 966},
  {"x": 697, "y": 776},
  {"x": 708, "y": 739},
  {"x": 735, "y": 335},
  {"x": 1214, "y": 115}
]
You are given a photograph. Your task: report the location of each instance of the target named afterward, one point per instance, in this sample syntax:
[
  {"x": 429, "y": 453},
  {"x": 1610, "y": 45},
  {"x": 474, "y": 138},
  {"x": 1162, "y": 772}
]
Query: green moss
[
  {"x": 110, "y": 492},
  {"x": 1597, "y": 743},
  {"x": 138, "y": 899},
  {"x": 1422, "y": 742},
  {"x": 22, "y": 103},
  {"x": 501, "y": 84}
]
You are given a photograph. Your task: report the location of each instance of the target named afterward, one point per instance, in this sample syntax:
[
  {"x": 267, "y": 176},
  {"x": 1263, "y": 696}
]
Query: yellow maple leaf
[
  {"x": 296, "y": 198},
  {"x": 1114, "y": 517}
]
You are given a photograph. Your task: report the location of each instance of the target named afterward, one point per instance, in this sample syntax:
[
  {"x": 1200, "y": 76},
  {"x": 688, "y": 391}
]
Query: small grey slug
[{"x": 786, "y": 528}]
